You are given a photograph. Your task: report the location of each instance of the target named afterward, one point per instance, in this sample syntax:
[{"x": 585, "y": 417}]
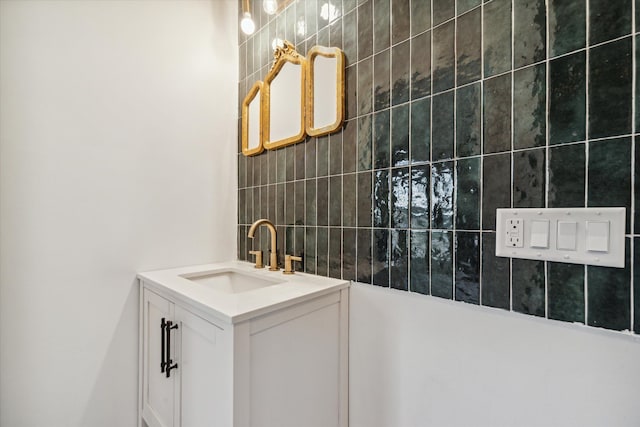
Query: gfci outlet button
[
  {"x": 540, "y": 234},
  {"x": 598, "y": 236},
  {"x": 567, "y": 235}
]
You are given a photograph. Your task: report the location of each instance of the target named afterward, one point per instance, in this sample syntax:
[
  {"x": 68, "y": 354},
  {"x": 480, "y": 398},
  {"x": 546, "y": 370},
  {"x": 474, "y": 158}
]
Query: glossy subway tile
[
  {"x": 467, "y": 272},
  {"x": 420, "y": 139}
]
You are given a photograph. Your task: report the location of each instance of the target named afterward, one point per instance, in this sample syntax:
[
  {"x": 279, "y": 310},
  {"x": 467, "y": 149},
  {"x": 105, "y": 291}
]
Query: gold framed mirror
[
  {"x": 325, "y": 90},
  {"x": 283, "y": 99},
  {"x": 251, "y": 121}
]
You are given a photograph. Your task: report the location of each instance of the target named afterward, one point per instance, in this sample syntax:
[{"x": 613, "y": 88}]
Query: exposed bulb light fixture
[
  {"x": 270, "y": 6},
  {"x": 246, "y": 24}
]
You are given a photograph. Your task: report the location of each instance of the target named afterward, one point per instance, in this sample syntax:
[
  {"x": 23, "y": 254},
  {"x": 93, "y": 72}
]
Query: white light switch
[
  {"x": 539, "y": 234},
  {"x": 598, "y": 236},
  {"x": 567, "y": 231}
]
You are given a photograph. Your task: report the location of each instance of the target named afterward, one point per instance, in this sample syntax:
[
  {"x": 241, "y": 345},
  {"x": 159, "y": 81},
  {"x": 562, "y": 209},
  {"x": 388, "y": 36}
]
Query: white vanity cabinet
[{"x": 272, "y": 357}]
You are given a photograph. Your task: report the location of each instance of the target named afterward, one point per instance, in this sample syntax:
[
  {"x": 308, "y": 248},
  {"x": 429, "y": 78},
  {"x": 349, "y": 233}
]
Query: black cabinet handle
[
  {"x": 163, "y": 363},
  {"x": 169, "y": 365}
]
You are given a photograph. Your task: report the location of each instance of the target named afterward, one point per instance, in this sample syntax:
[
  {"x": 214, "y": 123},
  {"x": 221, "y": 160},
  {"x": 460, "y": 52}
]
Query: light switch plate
[{"x": 531, "y": 248}]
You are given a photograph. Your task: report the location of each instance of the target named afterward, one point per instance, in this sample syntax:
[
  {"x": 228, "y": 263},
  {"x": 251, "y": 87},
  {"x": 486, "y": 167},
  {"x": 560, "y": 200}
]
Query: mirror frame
[
  {"x": 282, "y": 55},
  {"x": 256, "y": 90},
  {"x": 327, "y": 52}
]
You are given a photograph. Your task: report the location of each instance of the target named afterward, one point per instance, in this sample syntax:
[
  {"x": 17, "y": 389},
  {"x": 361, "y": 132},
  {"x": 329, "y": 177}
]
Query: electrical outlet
[{"x": 514, "y": 233}]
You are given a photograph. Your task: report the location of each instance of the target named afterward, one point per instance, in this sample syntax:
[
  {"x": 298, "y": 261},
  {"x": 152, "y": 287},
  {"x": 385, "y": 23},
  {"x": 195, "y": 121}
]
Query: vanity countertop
[{"x": 241, "y": 306}]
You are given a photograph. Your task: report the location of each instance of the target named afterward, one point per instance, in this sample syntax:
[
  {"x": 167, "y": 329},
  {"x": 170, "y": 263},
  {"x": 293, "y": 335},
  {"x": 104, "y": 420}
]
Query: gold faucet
[{"x": 273, "y": 257}]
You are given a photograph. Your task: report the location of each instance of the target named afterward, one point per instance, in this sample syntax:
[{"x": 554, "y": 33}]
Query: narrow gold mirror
[
  {"x": 283, "y": 99},
  {"x": 251, "y": 118},
  {"x": 325, "y": 90}
]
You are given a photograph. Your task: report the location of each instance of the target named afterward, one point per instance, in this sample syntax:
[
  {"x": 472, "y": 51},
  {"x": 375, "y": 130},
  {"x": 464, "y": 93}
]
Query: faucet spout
[{"x": 273, "y": 257}]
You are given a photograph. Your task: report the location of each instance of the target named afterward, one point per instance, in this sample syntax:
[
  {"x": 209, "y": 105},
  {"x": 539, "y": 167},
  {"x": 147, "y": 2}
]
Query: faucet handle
[
  {"x": 288, "y": 269},
  {"x": 258, "y": 255}
]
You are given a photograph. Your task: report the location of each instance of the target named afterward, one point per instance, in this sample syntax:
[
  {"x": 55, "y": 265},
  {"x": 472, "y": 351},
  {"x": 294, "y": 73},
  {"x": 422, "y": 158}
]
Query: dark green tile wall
[{"x": 454, "y": 109}]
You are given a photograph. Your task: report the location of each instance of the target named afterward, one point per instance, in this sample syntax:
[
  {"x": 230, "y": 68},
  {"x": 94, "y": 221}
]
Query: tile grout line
[
  {"x": 547, "y": 66},
  {"x": 431, "y": 193},
  {"x": 511, "y": 46},
  {"x": 634, "y": 83},
  {"x": 586, "y": 147},
  {"x": 481, "y": 171},
  {"x": 454, "y": 234}
]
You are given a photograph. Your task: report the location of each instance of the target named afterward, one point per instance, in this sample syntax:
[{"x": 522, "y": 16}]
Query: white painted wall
[
  {"x": 117, "y": 139},
  {"x": 418, "y": 361}
]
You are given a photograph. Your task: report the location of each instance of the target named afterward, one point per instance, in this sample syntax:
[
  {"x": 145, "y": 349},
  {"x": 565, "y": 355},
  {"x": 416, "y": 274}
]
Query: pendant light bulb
[
  {"x": 247, "y": 25},
  {"x": 270, "y": 6}
]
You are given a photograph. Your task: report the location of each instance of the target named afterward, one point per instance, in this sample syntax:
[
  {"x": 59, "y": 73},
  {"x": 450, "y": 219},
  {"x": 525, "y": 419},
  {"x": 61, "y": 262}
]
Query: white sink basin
[{"x": 230, "y": 281}]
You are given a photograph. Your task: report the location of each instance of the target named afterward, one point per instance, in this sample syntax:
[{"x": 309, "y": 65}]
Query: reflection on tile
[
  {"x": 567, "y": 98},
  {"x": 421, "y": 65},
  {"x": 364, "y": 199},
  {"x": 365, "y": 30},
  {"x": 364, "y": 255},
  {"x": 443, "y": 57},
  {"x": 309, "y": 204},
  {"x": 497, "y": 37},
  {"x": 566, "y": 176},
  {"x": 349, "y": 146},
  {"x": 608, "y": 20},
  {"x": 400, "y": 198},
  {"x": 467, "y": 274},
  {"x": 420, "y": 196},
  {"x": 289, "y": 201},
  {"x": 636, "y": 285},
  {"x": 365, "y": 147},
  {"x": 529, "y": 179},
  {"x": 529, "y": 107},
  {"x": 335, "y": 34},
  {"x": 469, "y": 47},
  {"x": 351, "y": 89},
  {"x": 442, "y": 264},
  {"x": 299, "y": 203},
  {"x": 322, "y": 153},
  {"x": 608, "y": 299},
  {"x": 311, "y": 16},
  {"x": 420, "y": 130},
  {"x": 399, "y": 260},
  {"x": 335, "y": 253},
  {"x": 567, "y": 26},
  {"x": 322, "y": 254},
  {"x": 468, "y": 120},
  {"x": 637, "y": 75},
  {"x": 496, "y": 188},
  {"x": 566, "y": 292},
  {"x": 335, "y": 206},
  {"x": 420, "y": 254},
  {"x": 381, "y": 85},
  {"x": 381, "y": 139},
  {"x": 495, "y": 274},
  {"x": 443, "y": 10},
  {"x": 310, "y": 148},
  {"x": 349, "y": 254},
  {"x": 465, "y": 5},
  {"x": 365, "y": 86},
  {"x": 349, "y": 37},
  {"x": 309, "y": 259},
  {"x": 420, "y": 16},
  {"x": 468, "y": 194},
  {"x": 442, "y": 185},
  {"x": 610, "y": 175},
  {"x": 323, "y": 201},
  {"x": 349, "y": 202},
  {"x": 381, "y": 260},
  {"x": 335, "y": 153},
  {"x": 400, "y": 73},
  {"x": 610, "y": 89},
  {"x": 528, "y": 287},
  {"x": 636, "y": 186},
  {"x": 381, "y": 28},
  {"x": 381, "y": 198},
  {"x": 442, "y": 126},
  {"x": 529, "y": 23},
  {"x": 400, "y": 135},
  {"x": 497, "y": 114},
  {"x": 400, "y": 10}
]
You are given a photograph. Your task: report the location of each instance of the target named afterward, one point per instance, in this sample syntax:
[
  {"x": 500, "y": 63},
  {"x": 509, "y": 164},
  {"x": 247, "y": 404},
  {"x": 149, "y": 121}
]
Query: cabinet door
[
  {"x": 158, "y": 407},
  {"x": 203, "y": 372}
]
